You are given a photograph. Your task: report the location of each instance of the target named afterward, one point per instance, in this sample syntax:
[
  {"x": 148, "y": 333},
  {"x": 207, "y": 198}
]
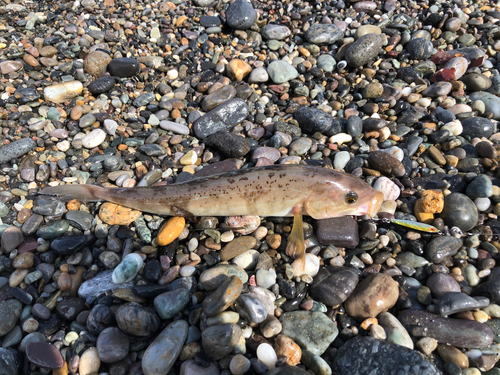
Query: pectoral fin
[{"x": 295, "y": 247}]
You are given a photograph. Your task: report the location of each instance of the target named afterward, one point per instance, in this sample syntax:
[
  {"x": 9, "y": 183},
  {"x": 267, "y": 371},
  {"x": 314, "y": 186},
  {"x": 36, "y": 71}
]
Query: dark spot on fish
[
  {"x": 244, "y": 179},
  {"x": 231, "y": 181}
]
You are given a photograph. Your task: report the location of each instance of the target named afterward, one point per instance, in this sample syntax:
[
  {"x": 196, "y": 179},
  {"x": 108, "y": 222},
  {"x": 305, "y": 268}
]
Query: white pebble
[
  {"x": 172, "y": 74},
  {"x": 340, "y": 138},
  {"x": 248, "y": 260},
  {"x": 267, "y": 355},
  {"x": 311, "y": 267},
  {"x": 482, "y": 204},
  {"x": 63, "y": 146},
  {"x": 424, "y": 102},
  {"x": 455, "y": 127},
  {"x": 94, "y": 138},
  {"x": 260, "y": 233},
  {"x": 110, "y": 126},
  {"x": 174, "y": 127},
  {"x": 341, "y": 160},
  {"x": 187, "y": 271},
  {"x": 390, "y": 190},
  {"x": 395, "y": 151},
  {"x": 227, "y": 236},
  {"x": 153, "y": 120},
  {"x": 192, "y": 244},
  {"x": 265, "y": 279}
]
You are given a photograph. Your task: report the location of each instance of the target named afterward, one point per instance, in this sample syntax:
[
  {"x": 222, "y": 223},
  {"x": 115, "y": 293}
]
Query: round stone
[{"x": 112, "y": 345}]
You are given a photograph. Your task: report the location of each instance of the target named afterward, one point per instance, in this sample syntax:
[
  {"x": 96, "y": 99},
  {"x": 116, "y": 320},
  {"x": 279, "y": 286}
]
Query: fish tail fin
[{"x": 84, "y": 193}]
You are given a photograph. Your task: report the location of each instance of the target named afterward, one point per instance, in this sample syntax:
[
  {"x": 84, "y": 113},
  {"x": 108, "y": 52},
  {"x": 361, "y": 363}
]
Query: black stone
[
  {"x": 364, "y": 354},
  {"x": 340, "y": 232},
  {"x": 419, "y": 49},
  {"x": 70, "y": 244},
  {"x": 332, "y": 285},
  {"x": 225, "y": 117},
  {"x": 101, "y": 85},
  {"x": 478, "y": 127},
  {"x": 124, "y": 67},
  {"x": 231, "y": 145},
  {"x": 312, "y": 120},
  {"x": 69, "y": 308}
]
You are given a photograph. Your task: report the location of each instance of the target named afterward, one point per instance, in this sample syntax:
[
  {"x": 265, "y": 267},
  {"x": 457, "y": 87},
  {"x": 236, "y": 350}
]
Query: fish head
[{"x": 343, "y": 196}]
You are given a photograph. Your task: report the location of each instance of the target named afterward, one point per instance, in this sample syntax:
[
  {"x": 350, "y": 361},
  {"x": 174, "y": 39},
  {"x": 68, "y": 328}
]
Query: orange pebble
[
  {"x": 171, "y": 230},
  {"x": 73, "y": 205}
]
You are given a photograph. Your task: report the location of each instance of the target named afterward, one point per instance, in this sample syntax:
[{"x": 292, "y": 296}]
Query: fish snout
[{"x": 374, "y": 205}]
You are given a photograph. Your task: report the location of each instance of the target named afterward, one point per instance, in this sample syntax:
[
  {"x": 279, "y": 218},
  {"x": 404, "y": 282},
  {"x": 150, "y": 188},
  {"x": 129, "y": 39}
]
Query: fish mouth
[{"x": 374, "y": 205}]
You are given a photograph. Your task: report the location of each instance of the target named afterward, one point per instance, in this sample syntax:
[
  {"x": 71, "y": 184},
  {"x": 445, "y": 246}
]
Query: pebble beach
[{"x": 404, "y": 95}]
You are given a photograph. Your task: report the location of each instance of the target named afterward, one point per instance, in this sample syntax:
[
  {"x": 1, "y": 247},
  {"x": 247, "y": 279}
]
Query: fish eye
[{"x": 351, "y": 198}]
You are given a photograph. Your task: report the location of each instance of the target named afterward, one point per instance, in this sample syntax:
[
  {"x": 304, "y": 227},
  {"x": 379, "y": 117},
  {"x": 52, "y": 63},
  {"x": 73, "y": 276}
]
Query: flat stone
[
  {"x": 112, "y": 345},
  {"x": 332, "y": 285},
  {"x": 276, "y": 32},
  {"x": 340, "y": 232},
  {"x": 456, "y": 332},
  {"x": 44, "y": 355},
  {"x": 232, "y": 145},
  {"x": 80, "y": 219},
  {"x": 225, "y": 93},
  {"x": 10, "y": 310},
  {"x": 365, "y": 354},
  {"x": 224, "y": 117},
  {"x": 455, "y": 302},
  {"x": 70, "y": 244},
  {"x": 280, "y": 71},
  {"x": 323, "y": 33},
  {"x": 12, "y": 237},
  {"x": 101, "y": 85},
  {"x": 212, "y": 278},
  {"x": 442, "y": 247},
  {"x": 478, "y": 127},
  {"x": 312, "y": 330},
  {"x": 100, "y": 284},
  {"x": 441, "y": 284},
  {"x": 223, "y": 296},
  {"x": 237, "y": 247},
  {"x": 386, "y": 163}
]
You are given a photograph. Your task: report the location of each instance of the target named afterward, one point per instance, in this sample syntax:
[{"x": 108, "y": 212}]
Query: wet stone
[
  {"x": 332, "y": 285},
  {"x": 223, "y": 296},
  {"x": 80, "y": 219},
  {"x": 478, "y": 127},
  {"x": 48, "y": 206},
  {"x": 220, "y": 340},
  {"x": 453, "y": 303},
  {"x": 300, "y": 325},
  {"x": 386, "y": 163},
  {"x": 12, "y": 237},
  {"x": 456, "y": 332},
  {"x": 161, "y": 355},
  {"x": 137, "y": 320},
  {"x": 362, "y": 354},
  {"x": 70, "y": 244},
  {"x": 112, "y": 345},
  {"x": 441, "y": 284},
  {"x": 240, "y": 15},
  {"x": 313, "y": 120},
  {"x": 276, "y": 32},
  {"x": 69, "y": 308},
  {"x": 251, "y": 308},
  {"x": 442, "y": 247},
  {"x": 99, "y": 318},
  {"x": 10, "y": 310},
  {"x": 169, "y": 304},
  {"x": 460, "y": 211},
  {"x": 491, "y": 102}
]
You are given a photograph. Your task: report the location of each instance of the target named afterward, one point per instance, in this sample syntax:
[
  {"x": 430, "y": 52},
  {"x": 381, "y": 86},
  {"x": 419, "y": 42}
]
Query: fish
[{"x": 277, "y": 190}]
